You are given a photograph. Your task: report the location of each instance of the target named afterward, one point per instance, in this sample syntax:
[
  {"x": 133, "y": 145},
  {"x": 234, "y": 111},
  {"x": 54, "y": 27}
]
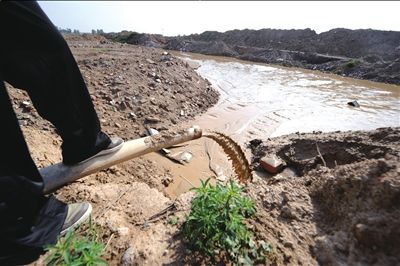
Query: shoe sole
[
  {"x": 103, "y": 152},
  {"x": 81, "y": 220}
]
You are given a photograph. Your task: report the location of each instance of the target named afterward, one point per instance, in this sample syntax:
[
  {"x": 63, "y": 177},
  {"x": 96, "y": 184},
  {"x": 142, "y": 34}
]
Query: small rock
[
  {"x": 128, "y": 104},
  {"x": 158, "y": 80},
  {"x": 362, "y": 234},
  {"x": 152, "y": 119},
  {"x": 117, "y": 125},
  {"x": 166, "y": 181},
  {"x": 129, "y": 257},
  {"x": 289, "y": 172},
  {"x": 165, "y": 53},
  {"x": 123, "y": 231},
  {"x": 287, "y": 212},
  {"x": 26, "y": 106},
  {"x": 288, "y": 244},
  {"x": 122, "y": 106},
  {"x": 22, "y": 122},
  {"x": 150, "y": 61},
  {"x": 182, "y": 113}
]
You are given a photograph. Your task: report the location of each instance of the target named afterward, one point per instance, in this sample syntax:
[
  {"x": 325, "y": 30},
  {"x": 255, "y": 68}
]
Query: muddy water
[{"x": 260, "y": 101}]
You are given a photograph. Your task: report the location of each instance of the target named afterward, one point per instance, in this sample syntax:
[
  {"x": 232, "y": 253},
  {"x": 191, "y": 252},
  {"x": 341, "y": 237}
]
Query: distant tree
[{"x": 93, "y": 31}]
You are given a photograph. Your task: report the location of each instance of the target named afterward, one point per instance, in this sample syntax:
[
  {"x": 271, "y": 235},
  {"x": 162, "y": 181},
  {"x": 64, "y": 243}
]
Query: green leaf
[{"x": 216, "y": 222}]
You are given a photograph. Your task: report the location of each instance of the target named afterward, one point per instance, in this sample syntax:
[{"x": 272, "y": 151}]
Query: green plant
[
  {"x": 352, "y": 63},
  {"x": 215, "y": 224},
  {"x": 74, "y": 250}
]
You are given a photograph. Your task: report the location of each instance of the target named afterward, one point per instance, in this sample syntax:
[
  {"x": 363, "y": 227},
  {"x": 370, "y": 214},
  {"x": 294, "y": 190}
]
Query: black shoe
[{"x": 115, "y": 145}]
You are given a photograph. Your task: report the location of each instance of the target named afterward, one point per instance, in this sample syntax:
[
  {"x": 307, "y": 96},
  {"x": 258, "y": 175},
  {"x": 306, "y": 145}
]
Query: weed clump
[
  {"x": 76, "y": 250},
  {"x": 215, "y": 225},
  {"x": 352, "y": 63}
]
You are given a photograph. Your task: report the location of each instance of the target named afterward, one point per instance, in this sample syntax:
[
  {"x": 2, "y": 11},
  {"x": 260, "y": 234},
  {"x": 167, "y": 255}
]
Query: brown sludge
[{"x": 235, "y": 153}]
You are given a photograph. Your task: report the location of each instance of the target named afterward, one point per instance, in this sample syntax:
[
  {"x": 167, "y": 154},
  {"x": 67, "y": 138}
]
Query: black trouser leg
[
  {"x": 35, "y": 57},
  {"x": 28, "y": 219}
]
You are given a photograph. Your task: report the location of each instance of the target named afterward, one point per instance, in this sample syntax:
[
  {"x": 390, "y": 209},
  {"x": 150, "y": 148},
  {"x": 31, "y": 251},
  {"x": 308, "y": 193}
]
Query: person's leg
[
  {"x": 28, "y": 219},
  {"x": 35, "y": 57}
]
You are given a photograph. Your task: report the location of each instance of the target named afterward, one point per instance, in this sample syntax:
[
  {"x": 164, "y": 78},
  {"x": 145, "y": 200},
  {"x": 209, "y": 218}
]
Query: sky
[{"x": 173, "y": 18}]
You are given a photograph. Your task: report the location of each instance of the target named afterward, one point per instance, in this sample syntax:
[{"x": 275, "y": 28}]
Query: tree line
[{"x": 76, "y": 31}]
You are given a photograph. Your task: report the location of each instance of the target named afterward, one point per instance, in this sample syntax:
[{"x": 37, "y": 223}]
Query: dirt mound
[
  {"x": 359, "y": 209},
  {"x": 366, "y": 54},
  {"x": 131, "y": 87},
  {"x": 344, "y": 213}
]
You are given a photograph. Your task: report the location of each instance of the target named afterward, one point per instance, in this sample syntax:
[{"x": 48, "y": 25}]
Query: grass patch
[
  {"x": 215, "y": 225},
  {"x": 76, "y": 250},
  {"x": 352, "y": 63}
]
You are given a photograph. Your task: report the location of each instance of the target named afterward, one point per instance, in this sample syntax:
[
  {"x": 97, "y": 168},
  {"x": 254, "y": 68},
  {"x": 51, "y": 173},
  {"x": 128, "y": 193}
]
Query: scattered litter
[
  {"x": 354, "y": 104},
  {"x": 186, "y": 156},
  {"x": 271, "y": 163}
]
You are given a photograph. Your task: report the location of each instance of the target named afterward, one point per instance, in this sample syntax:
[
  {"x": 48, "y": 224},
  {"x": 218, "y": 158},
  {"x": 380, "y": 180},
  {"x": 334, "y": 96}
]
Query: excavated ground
[{"x": 345, "y": 213}]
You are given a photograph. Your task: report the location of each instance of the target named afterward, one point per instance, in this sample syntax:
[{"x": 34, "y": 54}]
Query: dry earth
[
  {"x": 346, "y": 213},
  {"x": 132, "y": 87}
]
